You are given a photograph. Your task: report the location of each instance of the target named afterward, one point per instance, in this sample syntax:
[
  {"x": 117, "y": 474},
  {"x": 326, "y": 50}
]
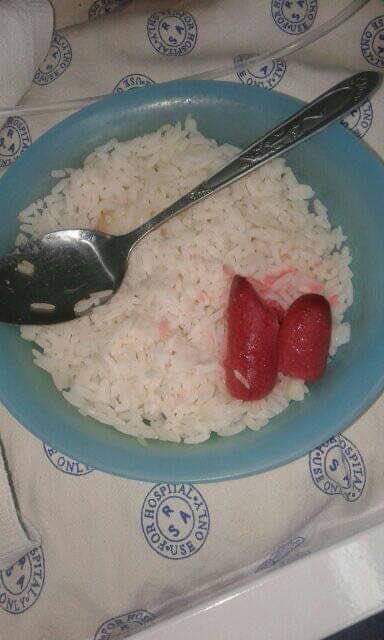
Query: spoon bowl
[{"x": 60, "y": 276}]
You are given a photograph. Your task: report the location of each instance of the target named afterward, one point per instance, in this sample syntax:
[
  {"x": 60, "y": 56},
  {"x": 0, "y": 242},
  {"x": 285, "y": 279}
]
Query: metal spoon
[{"x": 45, "y": 279}]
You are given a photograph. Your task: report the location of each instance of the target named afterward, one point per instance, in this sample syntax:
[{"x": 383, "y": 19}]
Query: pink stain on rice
[
  {"x": 260, "y": 288},
  {"x": 270, "y": 284},
  {"x": 203, "y": 297},
  {"x": 284, "y": 286},
  {"x": 312, "y": 286},
  {"x": 333, "y": 300},
  {"x": 164, "y": 329},
  {"x": 271, "y": 279}
]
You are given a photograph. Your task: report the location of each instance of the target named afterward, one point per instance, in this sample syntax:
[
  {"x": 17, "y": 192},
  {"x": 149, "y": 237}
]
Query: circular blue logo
[
  {"x": 22, "y": 583},
  {"x": 337, "y": 468},
  {"x": 359, "y": 120},
  {"x": 65, "y": 463},
  {"x": 123, "y": 626},
  {"x": 132, "y": 81},
  {"x": 172, "y": 33},
  {"x": 58, "y": 59},
  {"x": 175, "y": 520},
  {"x": 372, "y": 42},
  {"x": 14, "y": 139},
  {"x": 103, "y": 7},
  {"x": 281, "y": 553},
  {"x": 267, "y": 75},
  {"x": 294, "y": 16}
]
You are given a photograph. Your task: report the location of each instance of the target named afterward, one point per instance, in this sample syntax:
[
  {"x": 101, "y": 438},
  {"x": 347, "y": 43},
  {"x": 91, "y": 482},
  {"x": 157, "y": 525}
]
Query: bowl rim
[{"x": 237, "y": 468}]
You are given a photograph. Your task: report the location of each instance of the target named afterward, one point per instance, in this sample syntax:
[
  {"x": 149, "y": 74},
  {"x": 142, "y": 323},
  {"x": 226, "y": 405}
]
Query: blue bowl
[{"x": 347, "y": 177}]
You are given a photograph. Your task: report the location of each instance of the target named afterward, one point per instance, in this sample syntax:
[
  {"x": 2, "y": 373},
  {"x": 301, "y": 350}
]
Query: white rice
[
  {"x": 26, "y": 268},
  {"x": 149, "y": 362}
]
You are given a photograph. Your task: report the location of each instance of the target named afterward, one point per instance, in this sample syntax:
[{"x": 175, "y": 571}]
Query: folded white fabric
[
  {"x": 100, "y": 554},
  {"x": 25, "y": 35},
  {"x": 16, "y": 538}
]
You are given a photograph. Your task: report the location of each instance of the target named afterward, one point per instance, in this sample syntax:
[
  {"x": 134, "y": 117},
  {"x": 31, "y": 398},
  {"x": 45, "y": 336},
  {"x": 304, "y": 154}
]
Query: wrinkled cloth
[{"x": 105, "y": 566}]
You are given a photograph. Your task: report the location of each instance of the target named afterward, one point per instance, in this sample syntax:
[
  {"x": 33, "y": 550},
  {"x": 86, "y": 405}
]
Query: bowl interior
[{"x": 346, "y": 176}]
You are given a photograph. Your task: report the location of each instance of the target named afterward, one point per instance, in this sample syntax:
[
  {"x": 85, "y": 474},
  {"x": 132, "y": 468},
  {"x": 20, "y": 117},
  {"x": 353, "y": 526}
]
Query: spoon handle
[{"x": 330, "y": 106}]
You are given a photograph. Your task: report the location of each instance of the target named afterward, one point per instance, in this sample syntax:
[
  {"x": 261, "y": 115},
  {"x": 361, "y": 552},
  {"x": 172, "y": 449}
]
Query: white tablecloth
[{"x": 103, "y": 569}]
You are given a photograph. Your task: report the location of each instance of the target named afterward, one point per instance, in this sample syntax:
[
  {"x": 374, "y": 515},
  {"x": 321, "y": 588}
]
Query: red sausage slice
[
  {"x": 304, "y": 337},
  {"x": 251, "y": 361}
]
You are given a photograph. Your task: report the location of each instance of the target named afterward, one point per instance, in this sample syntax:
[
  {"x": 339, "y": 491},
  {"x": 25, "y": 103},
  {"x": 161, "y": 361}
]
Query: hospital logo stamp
[
  {"x": 294, "y": 16},
  {"x": 65, "y": 463},
  {"x": 372, "y": 42},
  {"x": 14, "y": 139},
  {"x": 172, "y": 33},
  {"x": 103, "y": 7},
  {"x": 58, "y": 59},
  {"x": 22, "y": 583},
  {"x": 175, "y": 520},
  {"x": 123, "y": 626},
  {"x": 359, "y": 120},
  {"x": 266, "y": 76},
  {"x": 337, "y": 468},
  {"x": 132, "y": 81}
]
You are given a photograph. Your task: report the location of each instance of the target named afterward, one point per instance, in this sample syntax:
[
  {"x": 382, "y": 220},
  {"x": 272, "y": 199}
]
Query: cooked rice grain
[{"x": 149, "y": 362}]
